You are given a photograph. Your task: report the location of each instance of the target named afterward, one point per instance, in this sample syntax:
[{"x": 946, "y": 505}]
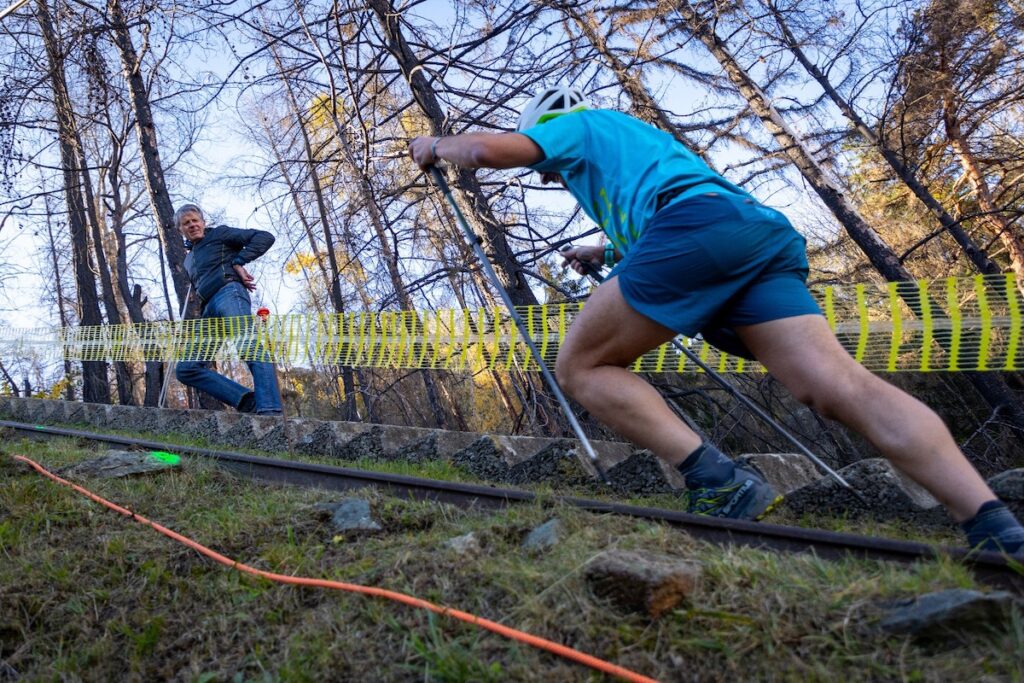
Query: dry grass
[{"x": 88, "y": 595}]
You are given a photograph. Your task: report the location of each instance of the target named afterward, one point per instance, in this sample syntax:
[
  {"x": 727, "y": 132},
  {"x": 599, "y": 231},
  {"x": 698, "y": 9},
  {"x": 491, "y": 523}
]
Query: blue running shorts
[{"x": 708, "y": 263}]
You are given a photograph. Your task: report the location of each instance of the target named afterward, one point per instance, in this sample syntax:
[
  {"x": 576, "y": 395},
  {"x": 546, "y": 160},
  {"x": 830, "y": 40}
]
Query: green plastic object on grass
[{"x": 165, "y": 457}]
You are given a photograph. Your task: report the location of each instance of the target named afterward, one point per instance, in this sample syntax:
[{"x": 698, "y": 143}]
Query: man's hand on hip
[{"x": 248, "y": 281}]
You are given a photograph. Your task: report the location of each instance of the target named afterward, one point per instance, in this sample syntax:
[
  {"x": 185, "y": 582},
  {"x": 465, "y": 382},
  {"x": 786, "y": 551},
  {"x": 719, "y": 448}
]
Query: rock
[
  {"x": 420, "y": 451},
  {"x": 642, "y": 582},
  {"x": 786, "y": 472},
  {"x": 312, "y": 437},
  {"x": 323, "y": 511},
  {"x": 556, "y": 464},
  {"x": 204, "y": 425},
  {"x": 42, "y": 411},
  {"x": 119, "y": 464},
  {"x": 33, "y": 410},
  {"x": 467, "y": 544},
  {"x": 1009, "y": 486},
  {"x": 483, "y": 459},
  {"x": 640, "y": 474},
  {"x": 74, "y": 412},
  {"x": 94, "y": 414},
  {"x": 15, "y": 407},
  {"x": 146, "y": 420},
  {"x": 354, "y": 515},
  {"x": 888, "y": 494},
  {"x": 948, "y": 613},
  {"x": 364, "y": 445},
  {"x": 117, "y": 415},
  {"x": 239, "y": 433},
  {"x": 176, "y": 421},
  {"x": 269, "y": 433},
  {"x": 545, "y": 536}
]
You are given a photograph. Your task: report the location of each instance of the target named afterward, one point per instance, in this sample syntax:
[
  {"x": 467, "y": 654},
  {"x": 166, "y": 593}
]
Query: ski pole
[
  {"x": 475, "y": 241},
  {"x": 174, "y": 362},
  {"x": 595, "y": 273}
]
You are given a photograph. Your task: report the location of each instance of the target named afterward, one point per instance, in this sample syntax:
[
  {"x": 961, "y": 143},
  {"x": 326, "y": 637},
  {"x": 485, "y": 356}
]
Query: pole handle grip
[
  {"x": 593, "y": 271},
  {"x": 439, "y": 178}
]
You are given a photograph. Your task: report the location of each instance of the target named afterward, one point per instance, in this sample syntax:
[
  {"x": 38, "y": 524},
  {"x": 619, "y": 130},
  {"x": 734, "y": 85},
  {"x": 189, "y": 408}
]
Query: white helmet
[{"x": 553, "y": 102}]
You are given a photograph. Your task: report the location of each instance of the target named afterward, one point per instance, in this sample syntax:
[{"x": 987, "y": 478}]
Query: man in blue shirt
[
  {"x": 694, "y": 253},
  {"x": 216, "y": 266}
]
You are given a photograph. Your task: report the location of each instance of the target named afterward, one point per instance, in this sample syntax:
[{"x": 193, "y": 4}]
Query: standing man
[
  {"x": 696, "y": 254},
  {"x": 216, "y": 266}
]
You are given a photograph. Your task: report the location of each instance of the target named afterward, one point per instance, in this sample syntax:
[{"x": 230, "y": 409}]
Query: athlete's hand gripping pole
[
  {"x": 595, "y": 273},
  {"x": 524, "y": 333}
]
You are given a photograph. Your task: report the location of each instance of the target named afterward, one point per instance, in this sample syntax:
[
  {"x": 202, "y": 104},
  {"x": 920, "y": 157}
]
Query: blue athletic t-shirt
[{"x": 616, "y": 166}]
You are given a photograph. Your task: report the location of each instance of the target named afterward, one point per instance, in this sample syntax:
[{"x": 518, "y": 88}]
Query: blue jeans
[{"x": 233, "y": 300}]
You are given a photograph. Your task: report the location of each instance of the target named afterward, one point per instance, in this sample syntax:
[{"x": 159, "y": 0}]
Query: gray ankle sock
[
  {"x": 706, "y": 467},
  {"x": 994, "y": 528}
]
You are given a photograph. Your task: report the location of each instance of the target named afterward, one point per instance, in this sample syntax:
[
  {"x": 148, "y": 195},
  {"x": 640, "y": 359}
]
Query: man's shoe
[
  {"x": 995, "y": 528},
  {"x": 747, "y": 496},
  {"x": 248, "y": 403}
]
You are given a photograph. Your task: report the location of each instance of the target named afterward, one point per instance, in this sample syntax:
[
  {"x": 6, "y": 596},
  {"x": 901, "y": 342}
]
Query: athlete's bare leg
[
  {"x": 604, "y": 338},
  {"x": 804, "y": 354}
]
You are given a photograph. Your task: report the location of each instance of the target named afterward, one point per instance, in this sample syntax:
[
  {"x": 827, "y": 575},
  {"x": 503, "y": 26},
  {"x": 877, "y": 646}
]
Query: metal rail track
[{"x": 989, "y": 567}]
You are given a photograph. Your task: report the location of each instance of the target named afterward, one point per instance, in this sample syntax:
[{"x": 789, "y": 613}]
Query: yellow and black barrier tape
[{"x": 944, "y": 325}]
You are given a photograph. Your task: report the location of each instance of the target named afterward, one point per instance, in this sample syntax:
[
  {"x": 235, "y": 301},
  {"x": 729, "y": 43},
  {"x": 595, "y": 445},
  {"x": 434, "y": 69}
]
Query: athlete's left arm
[{"x": 476, "y": 150}]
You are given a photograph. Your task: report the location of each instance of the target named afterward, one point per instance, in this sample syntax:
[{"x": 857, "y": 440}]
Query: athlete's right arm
[{"x": 476, "y": 150}]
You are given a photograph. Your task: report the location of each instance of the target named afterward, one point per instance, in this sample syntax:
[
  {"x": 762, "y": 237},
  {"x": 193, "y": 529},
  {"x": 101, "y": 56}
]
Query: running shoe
[{"x": 747, "y": 496}]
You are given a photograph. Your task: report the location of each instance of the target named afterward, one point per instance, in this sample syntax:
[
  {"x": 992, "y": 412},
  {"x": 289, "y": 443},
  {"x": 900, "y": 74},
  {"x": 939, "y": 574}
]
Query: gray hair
[{"x": 182, "y": 210}]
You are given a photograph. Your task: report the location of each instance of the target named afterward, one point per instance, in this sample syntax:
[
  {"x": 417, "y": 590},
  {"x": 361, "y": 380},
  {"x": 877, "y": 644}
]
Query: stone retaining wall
[{"x": 522, "y": 457}]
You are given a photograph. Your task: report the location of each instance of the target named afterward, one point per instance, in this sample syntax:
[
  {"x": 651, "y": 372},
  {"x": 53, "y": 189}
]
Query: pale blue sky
[{"x": 220, "y": 149}]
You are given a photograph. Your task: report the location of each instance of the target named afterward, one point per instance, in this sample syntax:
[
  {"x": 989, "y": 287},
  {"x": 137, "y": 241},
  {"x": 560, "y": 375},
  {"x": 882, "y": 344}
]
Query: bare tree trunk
[
  {"x": 873, "y": 246},
  {"x": 466, "y": 190},
  {"x": 644, "y": 106},
  {"x": 332, "y": 279},
  {"x": 466, "y": 187},
  {"x": 132, "y": 298},
  {"x": 977, "y": 256},
  {"x": 991, "y": 387},
  {"x": 992, "y": 218},
  {"x": 154, "y": 370},
  {"x": 122, "y": 374},
  {"x": 145, "y": 127},
  {"x": 467, "y": 255},
  {"x": 374, "y": 212},
  {"x": 10, "y": 381},
  {"x": 334, "y": 282},
  {"x": 95, "y": 388},
  {"x": 69, "y": 392}
]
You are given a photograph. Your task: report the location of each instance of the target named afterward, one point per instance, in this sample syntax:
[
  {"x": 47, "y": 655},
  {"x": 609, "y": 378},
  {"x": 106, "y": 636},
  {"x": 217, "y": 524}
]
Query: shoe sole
[
  {"x": 751, "y": 505},
  {"x": 771, "y": 506},
  {"x": 756, "y": 504}
]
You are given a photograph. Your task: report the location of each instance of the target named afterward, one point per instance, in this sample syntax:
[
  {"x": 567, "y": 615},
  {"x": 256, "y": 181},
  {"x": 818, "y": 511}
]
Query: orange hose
[{"x": 514, "y": 634}]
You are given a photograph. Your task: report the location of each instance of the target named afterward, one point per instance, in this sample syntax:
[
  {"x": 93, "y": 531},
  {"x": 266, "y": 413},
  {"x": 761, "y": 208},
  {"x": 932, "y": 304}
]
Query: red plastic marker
[{"x": 263, "y": 312}]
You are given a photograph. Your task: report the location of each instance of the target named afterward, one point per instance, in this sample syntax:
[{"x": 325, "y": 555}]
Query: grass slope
[{"x": 86, "y": 594}]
